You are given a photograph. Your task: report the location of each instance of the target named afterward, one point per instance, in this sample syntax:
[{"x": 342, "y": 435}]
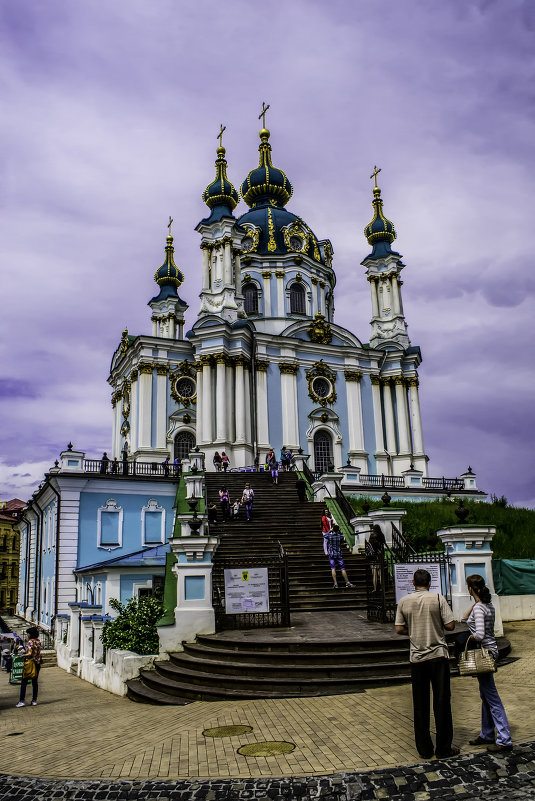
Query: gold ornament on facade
[
  {"x": 324, "y": 417},
  {"x": 353, "y": 375},
  {"x": 375, "y": 379},
  {"x": 272, "y": 245},
  {"x": 250, "y": 241},
  {"x": 279, "y": 274},
  {"x": 145, "y": 368},
  {"x": 197, "y": 366},
  {"x": 134, "y": 374},
  {"x": 186, "y": 419},
  {"x": 320, "y": 380},
  {"x": 206, "y": 359},
  {"x": 124, "y": 341},
  {"x": 288, "y": 368},
  {"x": 328, "y": 251},
  {"x": 296, "y": 237},
  {"x": 319, "y": 330},
  {"x": 299, "y": 277},
  {"x": 162, "y": 369},
  {"x": 247, "y": 277},
  {"x": 399, "y": 380},
  {"x": 413, "y": 381},
  {"x": 261, "y": 365}
]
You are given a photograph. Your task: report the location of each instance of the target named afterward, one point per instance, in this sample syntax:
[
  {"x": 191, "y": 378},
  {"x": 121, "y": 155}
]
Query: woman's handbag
[
  {"x": 476, "y": 662},
  {"x": 29, "y": 671}
]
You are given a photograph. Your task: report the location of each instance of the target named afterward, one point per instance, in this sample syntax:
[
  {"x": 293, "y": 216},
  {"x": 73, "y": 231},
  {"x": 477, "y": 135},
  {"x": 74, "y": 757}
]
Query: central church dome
[{"x": 271, "y": 229}]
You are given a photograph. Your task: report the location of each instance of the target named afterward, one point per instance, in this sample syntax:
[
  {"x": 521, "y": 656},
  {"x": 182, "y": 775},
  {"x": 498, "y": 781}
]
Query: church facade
[{"x": 265, "y": 364}]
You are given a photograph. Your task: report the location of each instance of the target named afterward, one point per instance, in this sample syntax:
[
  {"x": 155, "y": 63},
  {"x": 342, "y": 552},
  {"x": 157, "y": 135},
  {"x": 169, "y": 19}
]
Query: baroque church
[{"x": 265, "y": 364}]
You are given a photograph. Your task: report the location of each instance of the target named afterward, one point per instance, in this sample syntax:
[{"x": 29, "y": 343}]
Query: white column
[
  {"x": 231, "y": 409},
  {"x": 172, "y": 326},
  {"x": 248, "y": 417},
  {"x": 266, "y": 275},
  {"x": 314, "y": 296},
  {"x": 289, "y": 405},
  {"x": 240, "y": 399},
  {"x": 280, "y": 293},
  {"x": 354, "y": 410},
  {"x": 221, "y": 397},
  {"x": 154, "y": 326},
  {"x": 402, "y": 410},
  {"x": 375, "y": 302},
  {"x": 322, "y": 297},
  {"x": 145, "y": 404},
  {"x": 396, "y": 297},
  {"x": 117, "y": 415},
  {"x": 377, "y": 416},
  {"x": 389, "y": 418},
  {"x": 416, "y": 419},
  {"x": 198, "y": 427},
  {"x": 133, "y": 435},
  {"x": 227, "y": 263},
  {"x": 161, "y": 405},
  {"x": 262, "y": 403},
  {"x": 205, "y": 267},
  {"x": 237, "y": 271},
  {"x": 207, "y": 416}
]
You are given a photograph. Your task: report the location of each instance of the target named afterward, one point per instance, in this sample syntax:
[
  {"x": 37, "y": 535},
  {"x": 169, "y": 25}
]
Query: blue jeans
[
  {"x": 492, "y": 712},
  {"x": 248, "y": 508}
]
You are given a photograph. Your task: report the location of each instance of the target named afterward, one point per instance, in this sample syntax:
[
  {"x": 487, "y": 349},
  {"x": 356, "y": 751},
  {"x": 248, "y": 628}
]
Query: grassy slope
[{"x": 515, "y": 528}]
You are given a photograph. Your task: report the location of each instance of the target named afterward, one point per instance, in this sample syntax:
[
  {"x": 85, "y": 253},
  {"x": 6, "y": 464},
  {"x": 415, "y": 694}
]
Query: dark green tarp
[{"x": 514, "y": 576}]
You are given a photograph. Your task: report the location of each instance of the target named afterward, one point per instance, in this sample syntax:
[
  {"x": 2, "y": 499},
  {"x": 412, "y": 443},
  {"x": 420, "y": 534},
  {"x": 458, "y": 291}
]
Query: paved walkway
[{"x": 80, "y": 732}]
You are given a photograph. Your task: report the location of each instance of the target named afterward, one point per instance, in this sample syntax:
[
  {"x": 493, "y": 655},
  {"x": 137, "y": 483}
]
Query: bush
[{"x": 134, "y": 629}]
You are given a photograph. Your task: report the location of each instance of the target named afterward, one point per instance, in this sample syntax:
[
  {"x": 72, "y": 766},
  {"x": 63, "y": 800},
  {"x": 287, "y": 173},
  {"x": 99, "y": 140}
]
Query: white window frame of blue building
[
  {"x": 111, "y": 507},
  {"x": 151, "y": 508}
]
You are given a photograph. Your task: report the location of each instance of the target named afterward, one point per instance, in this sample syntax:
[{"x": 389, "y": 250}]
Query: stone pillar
[
  {"x": 205, "y": 267},
  {"x": 389, "y": 418},
  {"x": 134, "y": 389},
  {"x": 470, "y": 552},
  {"x": 145, "y": 404},
  {"x": 239, "y": 363},
  {"x": 385, "y": 519},
  {"x": 417, "y": 431},
  {"x": 117, "y": 421},
  {"x": 357, "y": 454},
  {"x": 290, "y": 434},
  {"x": 227, "y": 262},
  {"x": 396, "y": 295},
  {"x": 161, "y": 405},
  {"x": 154, "y": 321},
  {"x": 98, "y": 648},
  {"x": 231, "y": 406},
  {"x": 207, "y": 414},
  {"x": 402, "y": 410},
  {"x": 262, "y": 419},
  {"x": 200, "y": 399},
  {"x": 248, "y": 419},
  {"x": 373, "y": 289},
  {"x": 221, "y": 397},
  {"x": 280, "y": 293},
  {"x": 314, "y": 282},
  {"x": 266, "y": 275},
  {"x": 380, "y": 455},
  {"x": 237, "y": 271}
]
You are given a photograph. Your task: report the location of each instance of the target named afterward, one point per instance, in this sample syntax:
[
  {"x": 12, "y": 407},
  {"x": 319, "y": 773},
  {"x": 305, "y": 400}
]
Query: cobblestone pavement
[{"x": 101, "y": 746}]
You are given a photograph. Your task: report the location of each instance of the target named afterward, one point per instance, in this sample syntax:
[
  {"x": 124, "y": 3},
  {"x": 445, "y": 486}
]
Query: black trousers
[
  {"x": 35, "y": 686},
  {"x": 432, "y": 674}
]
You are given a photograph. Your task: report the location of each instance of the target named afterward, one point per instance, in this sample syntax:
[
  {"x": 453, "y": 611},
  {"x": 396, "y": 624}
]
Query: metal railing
[
  {"x": 385, "y": 482},
  {"x": 446, "y": 484},
  {"x": 114, "y": 469}
]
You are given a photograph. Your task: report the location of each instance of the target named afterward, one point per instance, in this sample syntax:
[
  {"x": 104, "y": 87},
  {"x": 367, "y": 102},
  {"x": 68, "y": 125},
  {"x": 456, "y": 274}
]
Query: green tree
[{"x": 134, "y": 628}]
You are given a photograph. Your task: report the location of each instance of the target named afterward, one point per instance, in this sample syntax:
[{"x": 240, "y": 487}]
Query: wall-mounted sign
[
  {"x": 246, "y": 590},
  {"x": 403, "y": 577}
]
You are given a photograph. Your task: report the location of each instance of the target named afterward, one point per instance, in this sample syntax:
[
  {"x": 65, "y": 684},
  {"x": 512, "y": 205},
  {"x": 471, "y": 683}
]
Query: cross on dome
[{"x": 263, "y": 114}]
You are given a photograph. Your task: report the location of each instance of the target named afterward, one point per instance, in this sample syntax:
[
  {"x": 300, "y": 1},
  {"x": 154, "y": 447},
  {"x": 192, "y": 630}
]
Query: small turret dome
[
  {"x": 220, "y": 192},
  {"x": 380, "y": 229},
  {"x": 266, "y": 182},
  {"x": 169, "y": 274}
]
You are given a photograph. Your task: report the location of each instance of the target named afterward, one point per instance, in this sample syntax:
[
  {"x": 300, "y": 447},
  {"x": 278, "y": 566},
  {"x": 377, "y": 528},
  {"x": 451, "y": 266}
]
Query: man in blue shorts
[{"x": 335, "y": 539}]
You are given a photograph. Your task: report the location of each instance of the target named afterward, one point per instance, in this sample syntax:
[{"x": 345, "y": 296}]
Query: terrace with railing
[{"x": 132, "y": 468}]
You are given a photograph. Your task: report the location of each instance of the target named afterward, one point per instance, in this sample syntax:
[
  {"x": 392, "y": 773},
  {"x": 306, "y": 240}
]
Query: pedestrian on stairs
[
  {"x": 301, "y": 487},
  {"x": 326, "y": 528},
  {"x": 224, "y": 500},
  {"x": 225, "y": 461},
  {"x": 274, "y": 469},
  {"x": 217, "y": 461},
  {"x": 335, "y": 540},
  {"x": 247, "y": 500}
]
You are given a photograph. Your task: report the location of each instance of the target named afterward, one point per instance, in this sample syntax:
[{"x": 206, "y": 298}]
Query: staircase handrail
[{"x": 401, "y": 547}]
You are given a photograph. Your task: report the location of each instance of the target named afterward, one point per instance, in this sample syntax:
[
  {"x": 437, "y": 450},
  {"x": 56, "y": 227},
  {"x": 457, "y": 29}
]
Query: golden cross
[
  {"x": 263, "y": 114},
  {"x": 375, "y": 173},
  {"x": 220, "y": 134},
  {"x": 169, "y": 224}
]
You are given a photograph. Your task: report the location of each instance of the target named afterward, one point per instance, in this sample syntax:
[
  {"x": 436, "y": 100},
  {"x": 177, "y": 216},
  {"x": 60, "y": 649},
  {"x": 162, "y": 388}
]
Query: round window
[
  {"x": 296, "y": 243},
  {"x": 185, "y": 387},
  {"x": 247, "y": 243},
  {"x": 321, "y": 387}
]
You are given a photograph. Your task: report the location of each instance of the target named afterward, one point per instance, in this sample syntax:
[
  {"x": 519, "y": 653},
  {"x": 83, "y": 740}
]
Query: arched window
[
  {"x": 184, "y": 443},
  {"x": 250, "y": 295},
  {"x": 297, "y": 299},
  {"x": 323, "y": 452}
]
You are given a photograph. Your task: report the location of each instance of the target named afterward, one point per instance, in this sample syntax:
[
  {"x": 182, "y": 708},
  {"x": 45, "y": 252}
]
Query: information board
[
  {"x": 246, "y": 590},
  {"x": 403, "y": 574}
]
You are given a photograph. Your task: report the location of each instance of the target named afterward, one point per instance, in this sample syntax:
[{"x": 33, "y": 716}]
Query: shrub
[{"x": 134, "y": 628}]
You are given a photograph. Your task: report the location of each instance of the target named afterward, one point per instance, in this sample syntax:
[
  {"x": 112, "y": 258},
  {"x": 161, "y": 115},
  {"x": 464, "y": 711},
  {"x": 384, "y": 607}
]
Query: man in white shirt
[{"x": 423, "y": 616}]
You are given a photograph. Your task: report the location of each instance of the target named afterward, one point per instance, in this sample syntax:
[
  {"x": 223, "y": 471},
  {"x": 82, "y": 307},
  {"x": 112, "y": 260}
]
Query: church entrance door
[
  {"x": 184, "y": 443},
  {"x": 323, "y": 451}
]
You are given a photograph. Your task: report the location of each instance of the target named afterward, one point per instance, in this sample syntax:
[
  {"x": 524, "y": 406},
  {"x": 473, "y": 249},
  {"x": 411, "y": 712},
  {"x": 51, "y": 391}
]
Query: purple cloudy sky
[{"x": 109, "y": 120}]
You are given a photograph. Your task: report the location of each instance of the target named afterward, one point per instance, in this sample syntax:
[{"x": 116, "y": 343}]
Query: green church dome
[{"x": 266, "y": 182}]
